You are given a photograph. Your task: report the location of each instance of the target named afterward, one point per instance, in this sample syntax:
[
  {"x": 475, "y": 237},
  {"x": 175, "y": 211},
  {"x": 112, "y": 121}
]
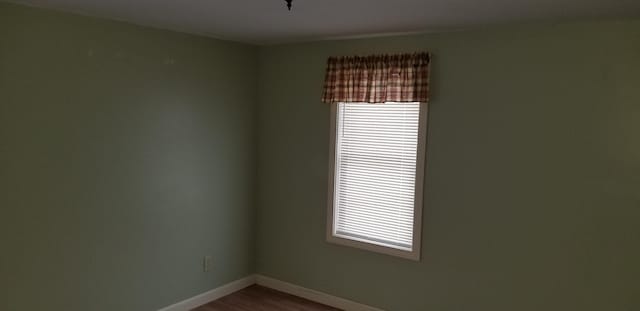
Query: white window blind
[{"x": 376, "y": 151}]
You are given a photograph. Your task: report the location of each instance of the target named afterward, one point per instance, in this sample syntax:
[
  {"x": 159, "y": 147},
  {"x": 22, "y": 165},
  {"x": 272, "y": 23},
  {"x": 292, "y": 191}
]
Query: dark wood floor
[{"x": 258, "y": 298}]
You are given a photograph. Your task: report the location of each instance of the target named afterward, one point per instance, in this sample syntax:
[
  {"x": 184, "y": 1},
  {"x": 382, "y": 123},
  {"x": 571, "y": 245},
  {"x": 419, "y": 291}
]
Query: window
[{"x": 376, "y": 178}]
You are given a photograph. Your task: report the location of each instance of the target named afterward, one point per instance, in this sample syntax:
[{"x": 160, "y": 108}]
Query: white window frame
[{"x": 415, "y": 252}]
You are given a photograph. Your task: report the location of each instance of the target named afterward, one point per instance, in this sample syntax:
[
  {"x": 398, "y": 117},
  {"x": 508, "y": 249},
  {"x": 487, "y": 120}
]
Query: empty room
[{"x": 317, "y": 155}]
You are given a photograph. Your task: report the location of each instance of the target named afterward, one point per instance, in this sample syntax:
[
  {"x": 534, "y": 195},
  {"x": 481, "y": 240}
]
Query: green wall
[
  {"x": 532, "y": 187},
  {"x": 126, "y": 155}
]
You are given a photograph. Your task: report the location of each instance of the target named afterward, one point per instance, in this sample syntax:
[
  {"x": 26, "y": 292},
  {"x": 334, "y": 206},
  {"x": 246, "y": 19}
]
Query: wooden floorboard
[{"x": 258, "y": 298}]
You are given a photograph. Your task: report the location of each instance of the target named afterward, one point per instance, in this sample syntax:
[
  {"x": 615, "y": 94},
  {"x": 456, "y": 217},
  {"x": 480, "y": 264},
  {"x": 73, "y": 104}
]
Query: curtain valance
[{"x": 377, "y": 78}]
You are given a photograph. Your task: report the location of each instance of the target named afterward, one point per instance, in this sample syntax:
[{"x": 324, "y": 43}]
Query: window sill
[{"x": 368, "y": 246}]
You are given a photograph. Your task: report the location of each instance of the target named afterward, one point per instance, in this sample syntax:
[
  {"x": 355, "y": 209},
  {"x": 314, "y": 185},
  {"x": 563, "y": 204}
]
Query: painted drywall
[
  {"x": 531, "y": 194},
  {"x": 126, "y": 155}
]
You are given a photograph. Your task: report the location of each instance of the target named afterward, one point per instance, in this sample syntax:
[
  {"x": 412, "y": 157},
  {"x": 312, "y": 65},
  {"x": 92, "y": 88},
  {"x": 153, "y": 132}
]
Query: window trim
[{"x": 415, "y": 253}]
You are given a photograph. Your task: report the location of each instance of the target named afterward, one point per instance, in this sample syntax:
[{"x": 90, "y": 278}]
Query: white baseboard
[
  {"x": 211, "y": 295},
  {"x": 313, "y": 295},
  {"x": 272, "y": 283}
]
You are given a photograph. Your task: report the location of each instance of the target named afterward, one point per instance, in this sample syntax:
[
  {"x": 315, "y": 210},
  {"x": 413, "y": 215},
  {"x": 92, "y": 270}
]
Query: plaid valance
[{"x": 377, "y": 78}]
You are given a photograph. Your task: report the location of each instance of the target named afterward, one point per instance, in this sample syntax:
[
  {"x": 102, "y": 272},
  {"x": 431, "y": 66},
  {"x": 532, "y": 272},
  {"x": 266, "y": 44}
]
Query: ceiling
[{"x": 269, "y": 21}]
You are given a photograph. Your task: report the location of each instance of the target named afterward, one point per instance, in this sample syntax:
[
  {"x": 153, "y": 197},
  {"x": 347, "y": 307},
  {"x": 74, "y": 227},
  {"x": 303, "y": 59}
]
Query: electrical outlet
[{"x": 206, "y": 263}]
